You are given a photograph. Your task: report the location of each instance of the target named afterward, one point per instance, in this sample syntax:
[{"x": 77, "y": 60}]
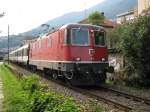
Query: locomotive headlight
[
  {"x": 78, "y": 59},
  {"x": 103, "y": 59}
]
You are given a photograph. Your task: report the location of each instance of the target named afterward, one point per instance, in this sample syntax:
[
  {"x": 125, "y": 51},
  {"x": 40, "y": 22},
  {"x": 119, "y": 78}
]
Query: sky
[{"x": 24, "y": 15}]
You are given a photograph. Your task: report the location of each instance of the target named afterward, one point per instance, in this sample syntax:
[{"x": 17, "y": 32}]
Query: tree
[
  {"x": 136, "y": 48},
  {"x": 96, "y": 18},
  {"x": 114, "y": 37}
]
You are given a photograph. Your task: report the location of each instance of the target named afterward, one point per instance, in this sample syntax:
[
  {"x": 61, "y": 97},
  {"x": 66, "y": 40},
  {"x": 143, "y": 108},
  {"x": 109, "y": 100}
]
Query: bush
[
  {"x": 30, "y": 83},
  {"x": 43, "y": 100}
]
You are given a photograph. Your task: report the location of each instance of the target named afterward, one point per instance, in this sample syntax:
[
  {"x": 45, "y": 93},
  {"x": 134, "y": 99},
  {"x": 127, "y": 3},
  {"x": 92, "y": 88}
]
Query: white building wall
[{"x": 143, "y": 4}]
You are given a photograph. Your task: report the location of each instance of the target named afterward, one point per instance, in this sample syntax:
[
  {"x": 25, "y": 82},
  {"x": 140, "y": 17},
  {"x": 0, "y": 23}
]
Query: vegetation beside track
[
  {"x": 133, "y": 40},
  {"x": 30, "y": 95},
  {"x": 15, "y": 98}
]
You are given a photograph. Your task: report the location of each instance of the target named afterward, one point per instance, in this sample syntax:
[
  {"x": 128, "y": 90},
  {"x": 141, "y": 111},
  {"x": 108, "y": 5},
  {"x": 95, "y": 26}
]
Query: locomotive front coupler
[{"x": 110, "y": 69}]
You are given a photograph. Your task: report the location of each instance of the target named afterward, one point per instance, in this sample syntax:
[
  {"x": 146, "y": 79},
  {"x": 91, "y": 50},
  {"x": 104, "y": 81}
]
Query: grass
[{"x": 14, "y": 96}]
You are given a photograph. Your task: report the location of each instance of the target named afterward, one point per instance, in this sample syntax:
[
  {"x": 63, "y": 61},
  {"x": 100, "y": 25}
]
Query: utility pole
[{"x": 8, "y": 44}]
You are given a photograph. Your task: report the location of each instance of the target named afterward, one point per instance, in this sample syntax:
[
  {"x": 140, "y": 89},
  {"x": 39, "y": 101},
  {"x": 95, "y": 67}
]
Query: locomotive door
[{"x": 59, "y": 48}]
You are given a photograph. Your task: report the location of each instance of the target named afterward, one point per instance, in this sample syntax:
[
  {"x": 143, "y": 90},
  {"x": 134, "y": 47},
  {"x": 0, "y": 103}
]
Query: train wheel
[
  {"x": 34, "y": 68},
  {"x": 69, "y": 76},
  {"x": 55, "y": 75},
  {"x": 103, "y": 77}
]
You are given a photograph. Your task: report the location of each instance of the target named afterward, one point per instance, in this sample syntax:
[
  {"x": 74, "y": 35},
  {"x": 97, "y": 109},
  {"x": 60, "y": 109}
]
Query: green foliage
[
  {"x": 114, "y": 37},
  {"x": 96, "y": 18},
  {"x": 67, "y": 106},
  {"x": 30, "y": 95},
  {"x": 95, "y": 107},
  {"x": 43, "y": 100},
  {"x": 134, "y": 39},
  {"x": 136, "y": 48},
  {"x": 14, "y": 96},
  {"x": 30, "y": 83}
]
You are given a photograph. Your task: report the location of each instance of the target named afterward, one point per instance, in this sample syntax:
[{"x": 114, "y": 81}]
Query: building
[
  {"x": 143, "y": 5},
  {"x": 125, "y": 17}
]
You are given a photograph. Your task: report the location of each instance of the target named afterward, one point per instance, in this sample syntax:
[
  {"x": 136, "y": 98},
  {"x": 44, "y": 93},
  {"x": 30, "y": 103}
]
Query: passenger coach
[{"x": 20, "y": 55}]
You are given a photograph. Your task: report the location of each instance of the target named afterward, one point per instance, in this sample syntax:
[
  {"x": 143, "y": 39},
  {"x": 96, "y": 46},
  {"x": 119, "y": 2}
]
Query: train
[{"x": 75, "y": 52}]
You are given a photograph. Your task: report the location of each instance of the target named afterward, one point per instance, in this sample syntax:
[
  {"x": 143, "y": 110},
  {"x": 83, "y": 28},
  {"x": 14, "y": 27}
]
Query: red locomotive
[{"x": 75, "y": 52}]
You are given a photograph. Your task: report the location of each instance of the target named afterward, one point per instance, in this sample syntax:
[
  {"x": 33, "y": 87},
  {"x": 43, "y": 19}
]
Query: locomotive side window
[
  {"x": 48, "y": 42},
  {"x": 99, "y": 38},
  {"x": 32, "y": 45},
  {"x": 67, "y": 37},
  {"x": 40, "y": 43},
  {"x": 80, "y": 37}
]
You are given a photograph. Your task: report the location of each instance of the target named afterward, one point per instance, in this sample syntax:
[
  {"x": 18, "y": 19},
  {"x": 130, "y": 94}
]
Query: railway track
[
  {"x": 115, "y": 104},
  {"x": 136, "y": 98},
  {"x": 109, "y": 96},
  {"x": 138, "y": 103}
]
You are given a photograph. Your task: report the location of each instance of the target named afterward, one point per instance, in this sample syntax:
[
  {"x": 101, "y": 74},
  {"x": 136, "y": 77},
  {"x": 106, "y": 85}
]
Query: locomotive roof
[
  {"x": 71, "y": 25},
  {"x": 76, "y": 25}
]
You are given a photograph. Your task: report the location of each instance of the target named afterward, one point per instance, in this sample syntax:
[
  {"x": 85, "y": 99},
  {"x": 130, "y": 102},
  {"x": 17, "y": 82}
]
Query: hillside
[{"x": 110, "y": 7}]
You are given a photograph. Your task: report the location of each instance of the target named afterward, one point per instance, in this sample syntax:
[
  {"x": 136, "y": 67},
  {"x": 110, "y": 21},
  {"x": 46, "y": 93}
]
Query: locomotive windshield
[
  {"x": 99, "y": 38},
  {"x": 80, "y": 37}
]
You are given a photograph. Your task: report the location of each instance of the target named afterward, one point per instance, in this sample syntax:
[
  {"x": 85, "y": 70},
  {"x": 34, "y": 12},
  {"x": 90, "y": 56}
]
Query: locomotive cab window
[
  {"x": 99, "y": 38},
  {"x": 80, "y": 37},
  {"x": 67, "y": 36}
]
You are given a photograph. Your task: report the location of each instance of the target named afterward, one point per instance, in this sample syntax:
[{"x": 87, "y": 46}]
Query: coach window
[
  {"x": 48, "y": 42},
  {"x": 18, "y": 53},
  {"x": 22, "y": 52},
  {"x": 25, "y": 52}
]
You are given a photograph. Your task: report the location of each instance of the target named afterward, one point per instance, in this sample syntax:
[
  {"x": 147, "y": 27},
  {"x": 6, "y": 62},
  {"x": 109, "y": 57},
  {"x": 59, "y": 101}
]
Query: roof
[
  {"x": 106, "y": 23},
  {"x": 126, "y": 13},
  {"x": 146, "y": 12},
  {"x": 20, "y": 48}
]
